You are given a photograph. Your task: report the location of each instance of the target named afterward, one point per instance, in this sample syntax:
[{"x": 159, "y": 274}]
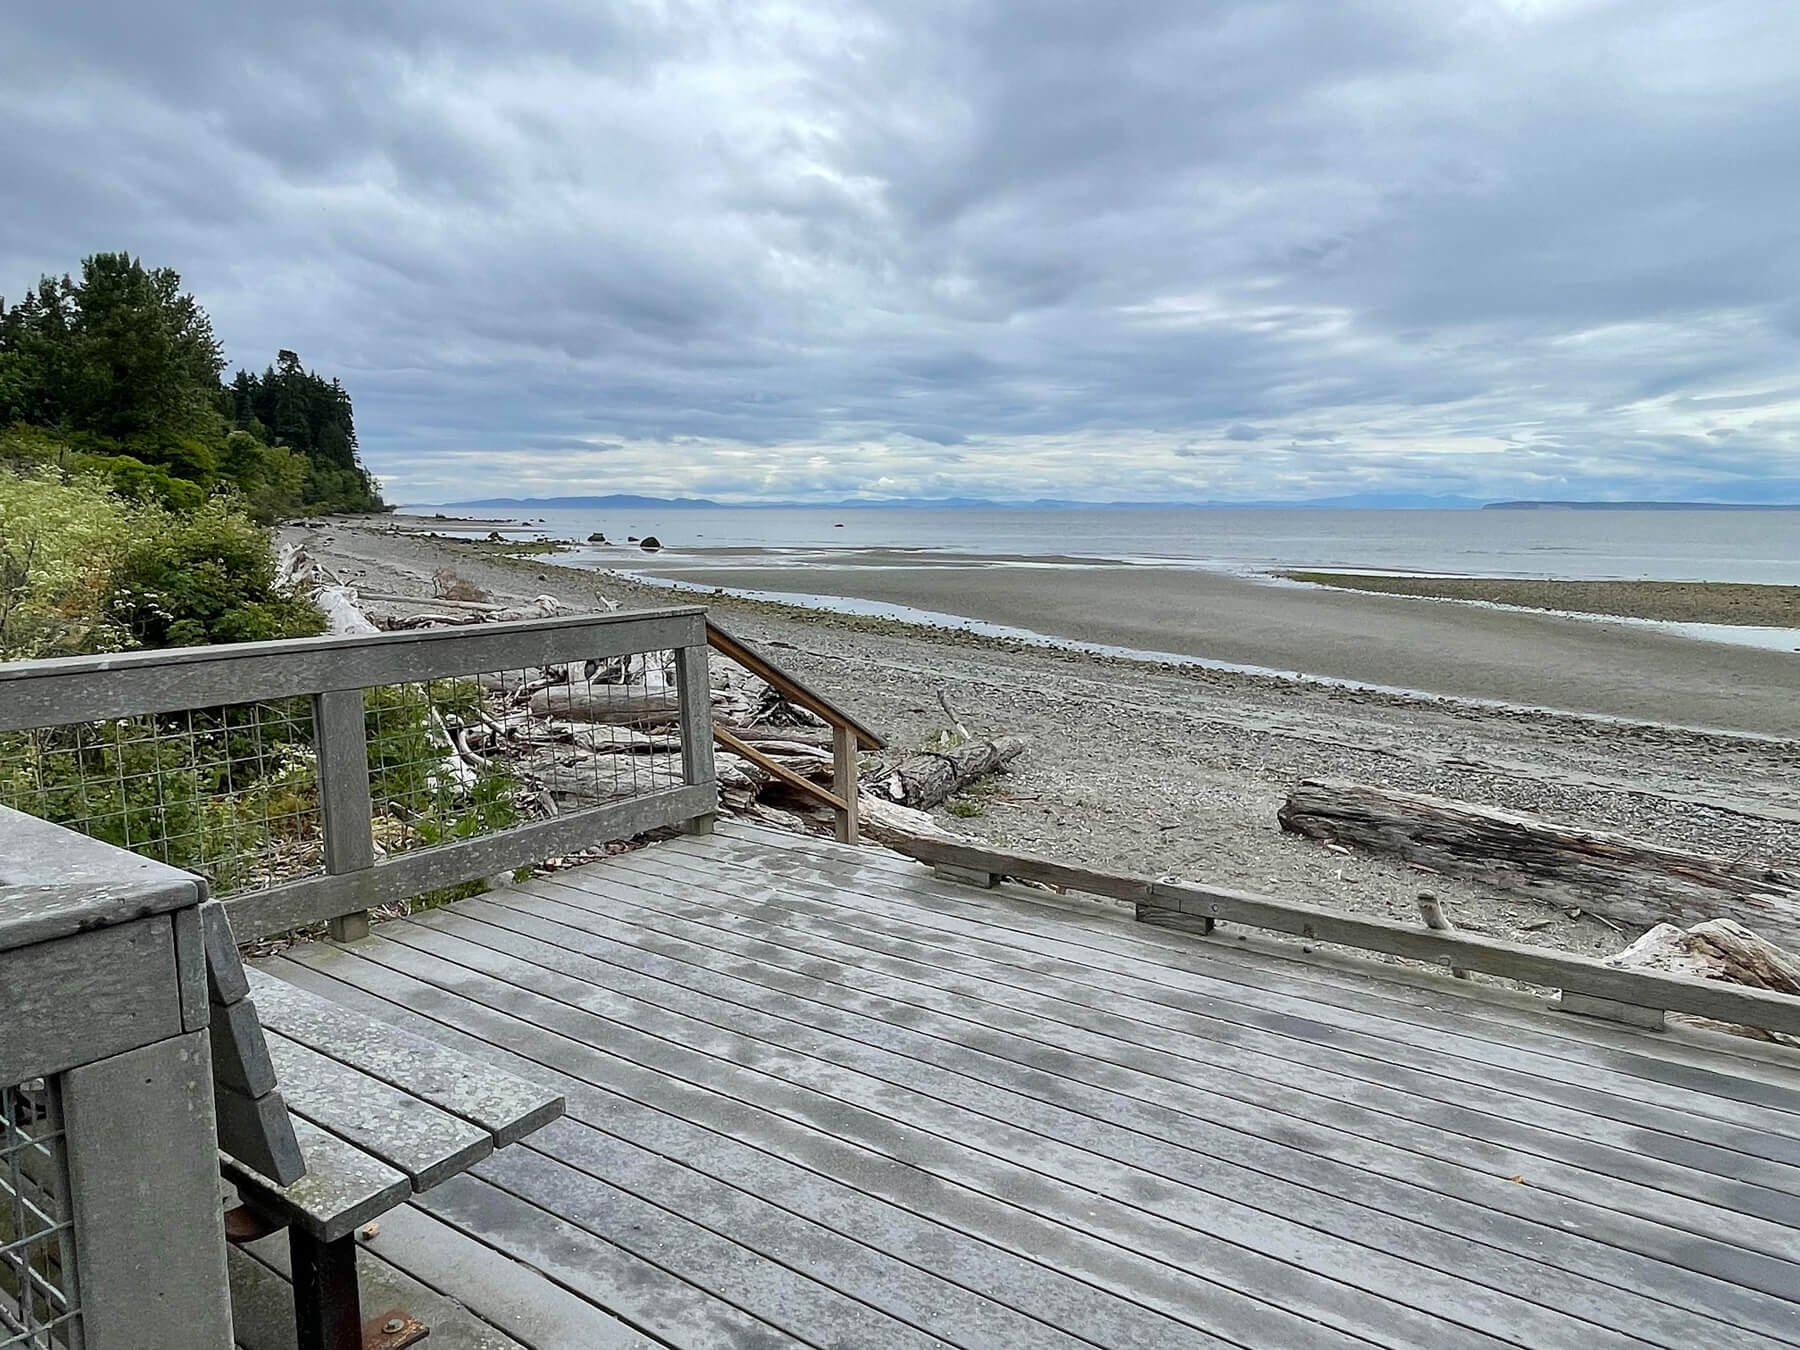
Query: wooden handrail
[
  {"x": 333, "y": 672},
  {"x": 1598, "y": 989},
  {"x": 791, "y": 689},
  {"x": 847, "y": 734},
  {"x": 744, "y": 750}
]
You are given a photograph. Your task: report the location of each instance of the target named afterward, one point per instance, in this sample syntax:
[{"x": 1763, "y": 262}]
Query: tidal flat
[{"x": 1726, "y": 602}]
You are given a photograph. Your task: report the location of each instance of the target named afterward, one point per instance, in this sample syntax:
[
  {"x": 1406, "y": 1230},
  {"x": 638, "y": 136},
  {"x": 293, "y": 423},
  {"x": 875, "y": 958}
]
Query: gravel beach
[{"x": 1169, "y": 769}]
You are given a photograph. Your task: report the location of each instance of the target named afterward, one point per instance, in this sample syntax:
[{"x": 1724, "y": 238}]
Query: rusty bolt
[{"x": 392, "y": 1325}]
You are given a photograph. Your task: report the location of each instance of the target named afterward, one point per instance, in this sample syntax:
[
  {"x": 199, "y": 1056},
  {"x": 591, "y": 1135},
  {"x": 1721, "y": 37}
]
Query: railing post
[
  {"x": 693, "y": 685},
  {"x": 341, "y": 741},
  {"x": 843, "y": 782}
]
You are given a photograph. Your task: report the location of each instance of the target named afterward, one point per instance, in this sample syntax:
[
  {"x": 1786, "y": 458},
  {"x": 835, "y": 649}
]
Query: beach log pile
[
  {"x": 1625, "y": 879},
  {"x": 578, "y": 735}
]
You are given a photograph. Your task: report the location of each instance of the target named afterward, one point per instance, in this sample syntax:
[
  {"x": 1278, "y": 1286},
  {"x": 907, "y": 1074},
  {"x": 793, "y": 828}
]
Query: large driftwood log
[
  {"x": 1626, "y": 879},
  {"x": 924, "y": 779},
  {"x": 625, "y": 704},
  {"x": 893, "y": 824}
]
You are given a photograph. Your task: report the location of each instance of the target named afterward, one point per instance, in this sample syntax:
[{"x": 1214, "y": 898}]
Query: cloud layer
[{"x": 819, "y": 248}]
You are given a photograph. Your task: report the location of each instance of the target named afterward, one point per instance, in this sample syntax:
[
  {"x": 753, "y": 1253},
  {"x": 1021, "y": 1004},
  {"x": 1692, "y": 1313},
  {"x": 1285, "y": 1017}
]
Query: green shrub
[
  {"x": 131, "y": 477},
  {"x": 203, "y": 577}
]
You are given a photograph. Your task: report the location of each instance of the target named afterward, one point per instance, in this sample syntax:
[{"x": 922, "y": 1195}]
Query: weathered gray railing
[
  {"x": 1586, "y": 986},
  {"x": 178, "y": 775}
]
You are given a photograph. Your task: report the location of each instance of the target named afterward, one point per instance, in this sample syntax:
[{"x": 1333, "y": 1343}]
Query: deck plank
[
  {"x": 262, "y": 1303},
  {"x": 1553, "y": 1158},
  {"x": 426, "y": 1144},
  {"x": 1407, "y": 1219},
  {"x": 1265, "y": 1117},
  {"x": 1048, "y": 992},
  {"x": 1713, "y": 1065},
  {"x": 1201, "y": 1279},
  {"x": 898, "y": 1210},
  {"x": 1519, "y": 1068},
  {"x": 816, "y": 1097},
  {"x": 1181, "y": 1223},
  {"x": 508, "y": 1108}
]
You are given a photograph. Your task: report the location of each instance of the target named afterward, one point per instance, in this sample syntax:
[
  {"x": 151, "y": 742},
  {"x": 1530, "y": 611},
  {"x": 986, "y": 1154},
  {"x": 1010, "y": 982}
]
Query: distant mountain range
[
  {"x": 622, "y": 502},
  {"x": 1389, "y": 501}
]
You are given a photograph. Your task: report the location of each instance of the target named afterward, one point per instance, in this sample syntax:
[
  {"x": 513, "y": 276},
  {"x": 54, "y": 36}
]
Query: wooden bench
[{"x": 329, "y": 1119}]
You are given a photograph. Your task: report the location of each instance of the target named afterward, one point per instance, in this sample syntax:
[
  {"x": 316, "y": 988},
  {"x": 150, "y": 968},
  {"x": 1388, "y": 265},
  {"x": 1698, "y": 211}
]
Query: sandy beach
[
  {"x": 1529, "y": 659},
  {"x": 1150, "y": 767}
]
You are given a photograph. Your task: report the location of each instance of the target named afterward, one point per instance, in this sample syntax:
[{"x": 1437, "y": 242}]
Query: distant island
[{"x": 1642, "y": 506}]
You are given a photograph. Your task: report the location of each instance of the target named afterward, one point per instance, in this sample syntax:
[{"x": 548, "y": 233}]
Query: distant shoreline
[
  {"x": 1397, "y": 502},
  {"x": 1641, "y": 506}
]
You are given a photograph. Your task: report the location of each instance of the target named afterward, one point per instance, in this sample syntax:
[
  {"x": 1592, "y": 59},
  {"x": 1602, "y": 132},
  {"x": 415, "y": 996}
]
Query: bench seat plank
[
  {"x": 426, "y": 1144},
  {"x": 505, "y": 1105},
  {"x": 343, "y": 1188}
]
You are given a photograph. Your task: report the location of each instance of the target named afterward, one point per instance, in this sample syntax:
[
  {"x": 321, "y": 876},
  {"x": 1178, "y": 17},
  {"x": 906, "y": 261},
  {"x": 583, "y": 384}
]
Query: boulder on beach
[
  {"x": 495, "y": 537},
  {"x": 650, "y": 544},
  {"x": 596, "y": 538}
]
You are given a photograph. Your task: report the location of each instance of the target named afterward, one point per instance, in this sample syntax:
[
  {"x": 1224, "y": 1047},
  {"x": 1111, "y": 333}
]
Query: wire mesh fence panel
[
  {"x": 233, "y": 793},
  {"x": 230, "y": 793},
  {"x": 39, "y": 1306},
  {"x": 459, "y": 757}
]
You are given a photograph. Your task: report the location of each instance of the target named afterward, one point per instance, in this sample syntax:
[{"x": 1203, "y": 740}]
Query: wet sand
[
  {"x": 1529, "y": 659},
  {"x": 1723, "y": 602}
]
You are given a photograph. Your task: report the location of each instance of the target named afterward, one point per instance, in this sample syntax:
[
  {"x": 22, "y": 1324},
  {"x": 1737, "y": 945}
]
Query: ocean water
[{"x": 1742, "y": 546}]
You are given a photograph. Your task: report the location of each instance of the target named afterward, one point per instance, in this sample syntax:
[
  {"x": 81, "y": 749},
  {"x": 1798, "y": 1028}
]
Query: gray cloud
[{"x": 1226, "y": 249}]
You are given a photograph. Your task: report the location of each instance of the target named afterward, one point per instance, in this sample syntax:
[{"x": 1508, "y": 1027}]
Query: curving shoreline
[
  {"x": 1514, "y": 657},
  {"x": 1144, "y": 767}
]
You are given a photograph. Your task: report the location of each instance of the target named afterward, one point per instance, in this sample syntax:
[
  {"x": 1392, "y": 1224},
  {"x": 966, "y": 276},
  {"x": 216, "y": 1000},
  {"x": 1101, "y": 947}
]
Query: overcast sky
[{"x": 1097, "y": 249}]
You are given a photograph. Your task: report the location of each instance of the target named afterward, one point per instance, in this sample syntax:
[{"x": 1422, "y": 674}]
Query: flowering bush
[{"x": 60, "y": 540}]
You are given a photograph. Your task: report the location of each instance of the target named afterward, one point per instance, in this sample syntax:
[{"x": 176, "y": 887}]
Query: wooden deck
[{"x": 817, "y": 1097}]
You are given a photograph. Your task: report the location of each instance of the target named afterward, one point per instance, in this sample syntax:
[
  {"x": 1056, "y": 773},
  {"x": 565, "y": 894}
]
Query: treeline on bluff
[
  {"x": 117, "y": 372},
  {"x": 135, "y": 485}
]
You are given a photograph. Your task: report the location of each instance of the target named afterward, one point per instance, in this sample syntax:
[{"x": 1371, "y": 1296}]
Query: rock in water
[
  {"x": 650, "y": 544},
  {"x": 596, "y": 538}
]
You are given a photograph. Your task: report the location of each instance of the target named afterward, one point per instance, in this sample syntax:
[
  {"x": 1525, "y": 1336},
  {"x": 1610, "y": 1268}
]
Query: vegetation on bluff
[
  {"x": 118, "y": 373},
  {"x": 135, "y": 492}
]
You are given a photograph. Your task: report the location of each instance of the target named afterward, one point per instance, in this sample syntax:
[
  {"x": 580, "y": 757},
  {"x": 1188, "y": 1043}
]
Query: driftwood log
[
  {"x": 924, "y": 779},
  {"x": 624, "y": 704},
  {"x": 1623, "y": 878},
  {"x": 1718, "y": 949}
]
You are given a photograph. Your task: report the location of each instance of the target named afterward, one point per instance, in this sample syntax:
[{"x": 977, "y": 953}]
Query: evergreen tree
[
  {"x": 123, "y": 353},
  {"x": 124, "y": 365}
]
